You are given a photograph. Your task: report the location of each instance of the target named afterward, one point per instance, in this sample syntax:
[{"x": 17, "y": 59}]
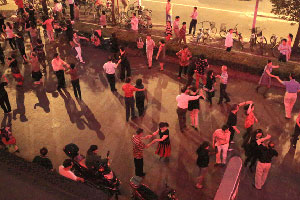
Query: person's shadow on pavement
[
  {"x": 92, "y": 122},
  {"x": 73, "y": 112},
  {"x": 44, "y": 102},
  {"x": 20, "y": 98}
]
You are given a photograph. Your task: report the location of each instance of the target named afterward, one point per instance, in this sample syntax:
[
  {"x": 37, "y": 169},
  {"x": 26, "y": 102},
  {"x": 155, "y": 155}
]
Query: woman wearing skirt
[{"x": 164, "y": 145}]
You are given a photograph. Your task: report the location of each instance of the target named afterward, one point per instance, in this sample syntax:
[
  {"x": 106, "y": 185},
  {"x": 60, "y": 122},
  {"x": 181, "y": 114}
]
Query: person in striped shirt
[
  {"x": 138, "y": 148},
  {"x": 168, "y": 31},
  {"x": 223, "y": 84}
]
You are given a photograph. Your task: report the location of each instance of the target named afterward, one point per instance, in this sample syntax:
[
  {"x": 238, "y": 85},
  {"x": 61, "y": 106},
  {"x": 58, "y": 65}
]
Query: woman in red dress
[{"x": 164, "y": 145}]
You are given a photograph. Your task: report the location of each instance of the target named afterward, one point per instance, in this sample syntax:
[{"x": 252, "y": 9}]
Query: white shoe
[
  {"x": 230, "y": 149},
  {"x": 232, "y": 142}
]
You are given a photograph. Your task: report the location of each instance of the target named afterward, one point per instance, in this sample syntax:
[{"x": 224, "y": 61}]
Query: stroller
[
  {"x": 143, "y": 192},
  {"x": 100, "y": 177}
]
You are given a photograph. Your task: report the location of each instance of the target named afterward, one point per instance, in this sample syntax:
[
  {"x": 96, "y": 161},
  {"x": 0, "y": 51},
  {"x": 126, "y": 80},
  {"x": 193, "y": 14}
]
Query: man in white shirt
[
  {"x": 58, "y": 67},
  {"x": 169, "y": 11},
  {"x": 193, "y": 23},
  {"x": 110, "y": 69},
  {"x": 150, "y": 44},
  {"x": 71, "y": 4},
  {"x": 65, "y": 170},
  {"x": 229, "y": 40},
  {"x": 134, "y": 22},
  {"x": 221, "y": 141},
  {"x": 182, "y": 106},
  {"x": 176, "y": 27}
]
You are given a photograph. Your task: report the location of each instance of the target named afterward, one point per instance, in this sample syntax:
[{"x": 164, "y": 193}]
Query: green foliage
[{"x": 287, "y": 9}]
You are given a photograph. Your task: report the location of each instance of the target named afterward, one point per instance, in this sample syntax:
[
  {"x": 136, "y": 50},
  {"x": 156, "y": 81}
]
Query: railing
[{"x": 229, "y": 185}]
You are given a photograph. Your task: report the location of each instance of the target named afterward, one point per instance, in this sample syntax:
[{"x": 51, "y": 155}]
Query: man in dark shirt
[
  {"x": 125, "y": 65},
  {"x": 42, "y": 159},
  {"x": 266, "y": 153},
  {"x": 13, "y": 64},
  {"x": 4, "y": 101},
  {"x": 201, "y": 65}
]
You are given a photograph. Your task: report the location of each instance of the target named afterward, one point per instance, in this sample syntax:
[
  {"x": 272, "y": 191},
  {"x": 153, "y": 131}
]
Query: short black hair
[
  {"x": 128, "y": 80},
  {"x": 195, "y": 8},
  {"x": 43, "y": 151},
  {"x": 162, "y": 41},
  {"x": 103, "y": 12},
  {"x": 177, "y": 17},
  {"x": 283, "y": 40},
  {"x": 93, "y": 148},
  {"x": 55, "y": 55},
  {"x": 163, "y": 124},
  {"x": 134, "y": 14},
  {"x": 109, "y": 58},
  {"x": 122, "y": 48},
  {"x": 292, "y": 75},
  {"x": 139, "y": 131},
  {"x": 183, "y": 89},
  {"x": 183, "y": 23},
  {"x": 139, "y": 81},
  {"x": 291, "y": 36},
  {"x": 269, "y": 61},
  {"x": 67, "y": 163},
  {"x": 225, "y": 127}
]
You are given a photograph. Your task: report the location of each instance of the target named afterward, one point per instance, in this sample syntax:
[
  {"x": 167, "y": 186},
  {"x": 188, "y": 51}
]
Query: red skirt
[{"x": 163, "y": 150}]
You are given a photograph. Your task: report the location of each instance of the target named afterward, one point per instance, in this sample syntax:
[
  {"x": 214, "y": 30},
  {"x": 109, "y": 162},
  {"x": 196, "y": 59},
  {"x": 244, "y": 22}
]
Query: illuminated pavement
[{"x": 100, "y": 119}]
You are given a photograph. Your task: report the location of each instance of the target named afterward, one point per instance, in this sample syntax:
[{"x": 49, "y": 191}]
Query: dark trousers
[
  {"x": 282, "y": 58},
  {"x": 2, "y": 59},
  {"x": 184, "y": 69},
  {"x": 252, "y": 158},
  {"x": 139, "y": 164},
  {"x": 112, "y": 81},
  {"x": 232, "y": 131},
  {"x": 193, "y": 26},
  {"x": 129, "y": 103},
  {"x": 223, "y": 93},
  {"x": 247, "y": 136},
  {"x": 124, "y": 69},
  {"x": 60, "y": 79},
  {"x": 4, "y": 103},
  {"x": 72, "y": 11},
  {"x": 228, "y": 49},
  {"x": 295, "y": 138},
  {"x": 12, "y": 43},
  {"x": 139, "y": 101},
  {"x": 76, "y": 88},
  {"x": 181, "y": 118},
  {"x": 209, "y": 96}
]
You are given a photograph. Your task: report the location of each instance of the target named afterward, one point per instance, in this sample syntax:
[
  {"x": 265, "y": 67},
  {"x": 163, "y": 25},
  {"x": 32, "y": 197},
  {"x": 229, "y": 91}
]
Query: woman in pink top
[
  {"x": 249, "y": 121},
  {"x": 49, "y": 29},
  {"x": 10, "y": 35}
]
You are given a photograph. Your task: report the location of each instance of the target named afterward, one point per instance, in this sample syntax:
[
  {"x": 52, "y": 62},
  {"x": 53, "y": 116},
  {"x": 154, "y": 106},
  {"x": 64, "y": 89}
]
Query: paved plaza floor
[{"x": 53, "y": 119}]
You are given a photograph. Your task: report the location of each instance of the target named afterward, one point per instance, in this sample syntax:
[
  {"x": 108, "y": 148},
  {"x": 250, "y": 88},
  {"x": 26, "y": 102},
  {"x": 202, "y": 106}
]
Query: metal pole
[{"x": 255, "y": 15}]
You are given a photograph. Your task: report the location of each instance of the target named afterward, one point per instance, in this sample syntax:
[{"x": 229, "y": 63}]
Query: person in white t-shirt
[
  {"x": 169, "y": 11},
  {"x": 134, "y": 22},
  {"x": 65, "y": 170},
  {"x": 229, "y": 40}
]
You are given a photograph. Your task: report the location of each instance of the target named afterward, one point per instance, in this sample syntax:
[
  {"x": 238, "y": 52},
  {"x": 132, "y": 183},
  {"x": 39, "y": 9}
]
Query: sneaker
[
  {"x": 230, "y": 149},
  {"x": 198, "y": 186}
]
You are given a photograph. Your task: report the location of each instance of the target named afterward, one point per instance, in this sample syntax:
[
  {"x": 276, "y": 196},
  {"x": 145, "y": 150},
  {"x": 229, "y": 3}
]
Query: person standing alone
[
  {"x": 194, "y": 21},
  {"x": 223, "y": 85},
  {"x": 169, "y": 11},
  {"x": 74, "y": 80},
  {"x": 110, "y": 70},
  {"x": 221, "y": 142}
]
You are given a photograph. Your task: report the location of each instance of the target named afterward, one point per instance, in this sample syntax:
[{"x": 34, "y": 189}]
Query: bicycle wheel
[
  {"x": 223, "y": 34},
  {"x": 213, "y": 32},
  {"x": 273, "y": 40}
]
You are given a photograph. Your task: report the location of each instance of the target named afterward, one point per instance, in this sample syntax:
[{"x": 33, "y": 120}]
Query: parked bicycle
[
  {"x": 258, "y": 40},
  {"x": 206, "y": 33},
  {"x": 274, "y": 45}
]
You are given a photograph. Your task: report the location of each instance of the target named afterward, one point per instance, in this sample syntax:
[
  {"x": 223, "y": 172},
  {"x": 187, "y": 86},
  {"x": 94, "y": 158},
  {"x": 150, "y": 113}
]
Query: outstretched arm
[{"x": 280, "y": 81}]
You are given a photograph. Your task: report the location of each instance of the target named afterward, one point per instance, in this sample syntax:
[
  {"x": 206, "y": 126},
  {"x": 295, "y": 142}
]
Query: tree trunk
[
  {"x": 113, "y": 12},
  {"x": 296, "y": 41}
]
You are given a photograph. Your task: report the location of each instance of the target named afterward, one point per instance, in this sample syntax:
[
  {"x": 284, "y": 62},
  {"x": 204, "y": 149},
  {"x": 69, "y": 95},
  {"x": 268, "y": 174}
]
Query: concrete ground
[{"x": 53, "y": 119}]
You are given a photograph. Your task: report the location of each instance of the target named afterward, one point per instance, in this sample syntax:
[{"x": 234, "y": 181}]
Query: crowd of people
[{"x": 259, "y": 150}]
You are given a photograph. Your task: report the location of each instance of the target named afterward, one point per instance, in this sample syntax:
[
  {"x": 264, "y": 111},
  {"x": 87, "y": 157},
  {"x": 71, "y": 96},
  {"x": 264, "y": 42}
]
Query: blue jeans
[{"x": 169, "y": 18}]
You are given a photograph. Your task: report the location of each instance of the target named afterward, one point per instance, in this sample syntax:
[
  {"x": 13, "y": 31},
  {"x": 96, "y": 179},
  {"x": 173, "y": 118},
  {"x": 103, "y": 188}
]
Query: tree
[{"x": 290, "y": 11}]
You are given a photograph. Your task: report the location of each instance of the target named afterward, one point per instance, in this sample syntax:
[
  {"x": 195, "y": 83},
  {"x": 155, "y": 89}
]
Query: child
[
  {"x": 140, "y": 97},
  {"x": 103, "y": 20},
  {"x": 182, "y": 33},
  {"x": 140, "y": 46},
  {"x": 74, "y": 80},
  {"x": 168, "y": 31},
  {"x": 249, "y": 121},
  {"x": 223, "y": 84}
]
